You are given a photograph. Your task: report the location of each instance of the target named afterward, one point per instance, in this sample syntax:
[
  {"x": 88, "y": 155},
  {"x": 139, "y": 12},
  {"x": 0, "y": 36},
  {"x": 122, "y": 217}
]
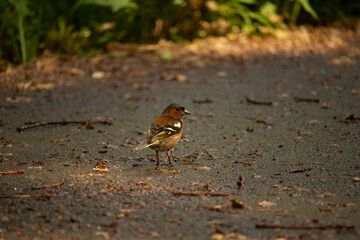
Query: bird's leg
[
  {"x": 157, "y": 158},
  {"x": 168, "y": 154}
]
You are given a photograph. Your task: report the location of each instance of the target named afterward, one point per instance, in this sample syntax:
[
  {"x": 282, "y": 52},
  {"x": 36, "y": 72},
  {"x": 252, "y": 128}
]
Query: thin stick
[
  {"x": 13, "y": 172},
  {"x": 63, "y": 122},
  {"x": 49, "y": 186},
  {"x": 312, "y": 100},
  {"x": 28, "y": 196},
  {"x": 258, "y": 102},
  {"x": 199, "y": 193},
  {"x": 318, "y": 226},
  {"x": 299, "y": 170}
]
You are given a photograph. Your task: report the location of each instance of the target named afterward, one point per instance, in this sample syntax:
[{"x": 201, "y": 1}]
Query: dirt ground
[{"x": 270, "y": 151}]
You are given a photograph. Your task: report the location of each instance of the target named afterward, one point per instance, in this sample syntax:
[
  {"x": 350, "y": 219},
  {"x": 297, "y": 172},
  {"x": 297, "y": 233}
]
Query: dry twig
[
  {"x": 199, "y": 193},
  {"x": 312, "y": 100},
  {"x": 49, "y": 186},
  {"x": 28, "y": 196},
  {"x": 317, "y": 226},
  {"x": 13, "y": 172},
  {"x": 299, "y": 170},
  {"x": 258, "y": 102},
  {"x": 87, "y": 123}
]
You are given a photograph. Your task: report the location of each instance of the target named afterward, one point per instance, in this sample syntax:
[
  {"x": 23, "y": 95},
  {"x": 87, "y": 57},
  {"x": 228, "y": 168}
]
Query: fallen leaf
[
  {"x": 352, "y": 117},
  {"x": 282, "y": 95},
  {"x": 259, "y": 144},
  {"x": 218, "y": 207},
  {"x": 166, "y": 56},
  {"x": 356, "y": 179},
  {"x": 283, "y": 188},
  {"x": 313, "y": 122},
  {"x": 217, "y": 236},
  {"x": 100, "y": 169},
  {"x": 75, "y": 71},
  {"x": 127, "y": 210},
  {"x": 173, "y": 77},
  {"x": 98, "y": 75},
  {"x": 238, "y": 141},
  {"x": 342, "y": 60},
  {"x": 46, "y": 63},
  {"x": 258, "y": 176},
  {"x": 326, "y": 105},
  {"x": 89, "y": 125},
  {"x": 180, "y": 78},
  {"x": 325, "y": 209},
  {"x": 121, "y": 215},
  {"x": 313, "y": 93},
  {"x": 61, "y": 140},
  {"x": 186, "y": 161},
  {"x": 266, "y": 204},
  {"x": 170, "y": 171},
  {"x": 221, "y": 73},
  {"x": 4, "y": 218},
  {"x": 102, "y": 234},
  {"x": 249, "y": 129},
  {"x": 183, "y": 139},
  {"x": 31, "y": 85},
  {"x": 356, "y": 91},
  {"x": 204, "y": 187},
  {"x": 230, "y": 236},
  {"x": 304, "y": 134},
  {"x": 18, "y": 99},
  {"x": 236, "y": 203},
  {"x": 202, "y": 168}
]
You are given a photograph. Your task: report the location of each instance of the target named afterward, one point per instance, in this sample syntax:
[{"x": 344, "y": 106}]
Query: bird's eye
[{"x": 177, "y": 109}]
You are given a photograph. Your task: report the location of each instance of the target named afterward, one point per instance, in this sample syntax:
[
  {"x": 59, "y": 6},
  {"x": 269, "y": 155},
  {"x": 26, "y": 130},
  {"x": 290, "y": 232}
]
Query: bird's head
[{"x": 175, "y": 110}]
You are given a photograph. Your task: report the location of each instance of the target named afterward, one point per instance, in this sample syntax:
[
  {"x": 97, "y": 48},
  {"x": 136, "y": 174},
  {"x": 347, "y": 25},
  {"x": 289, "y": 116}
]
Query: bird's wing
[{"x": 159, "y": 132}]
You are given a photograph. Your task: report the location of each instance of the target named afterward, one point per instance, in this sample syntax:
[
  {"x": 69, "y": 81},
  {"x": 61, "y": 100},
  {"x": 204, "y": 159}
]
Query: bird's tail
[{"x": 144, "y": 144}]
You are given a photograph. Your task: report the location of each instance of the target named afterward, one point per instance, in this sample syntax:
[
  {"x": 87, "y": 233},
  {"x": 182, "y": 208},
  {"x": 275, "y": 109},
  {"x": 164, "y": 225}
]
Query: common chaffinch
[{"x": 165, "y": 132}]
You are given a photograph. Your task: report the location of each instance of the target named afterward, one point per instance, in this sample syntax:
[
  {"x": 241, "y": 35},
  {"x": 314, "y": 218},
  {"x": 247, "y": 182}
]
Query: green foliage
[
  {"x": 22, "y": 43},
  {"x": 81, "y": 26},
  {"x": 251, "y": 16},
  {"x": 291, "y": 9},
  {"x": 115, "y": 5},
  {"x": 67, "y": 26}
]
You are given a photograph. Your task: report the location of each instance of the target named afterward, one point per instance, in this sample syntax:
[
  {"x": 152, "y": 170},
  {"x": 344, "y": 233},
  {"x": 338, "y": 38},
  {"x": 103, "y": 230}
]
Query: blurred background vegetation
[{"x": 29, "y": 27}]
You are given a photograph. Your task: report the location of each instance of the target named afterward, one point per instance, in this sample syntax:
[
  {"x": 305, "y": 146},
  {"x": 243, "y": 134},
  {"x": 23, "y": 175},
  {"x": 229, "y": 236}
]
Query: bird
[{"x": 165, "y": 132}]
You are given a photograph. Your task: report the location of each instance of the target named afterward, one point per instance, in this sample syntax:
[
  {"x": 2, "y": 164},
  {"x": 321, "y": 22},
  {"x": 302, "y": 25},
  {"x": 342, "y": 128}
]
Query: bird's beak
[{"x": 185, "y": 112}]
